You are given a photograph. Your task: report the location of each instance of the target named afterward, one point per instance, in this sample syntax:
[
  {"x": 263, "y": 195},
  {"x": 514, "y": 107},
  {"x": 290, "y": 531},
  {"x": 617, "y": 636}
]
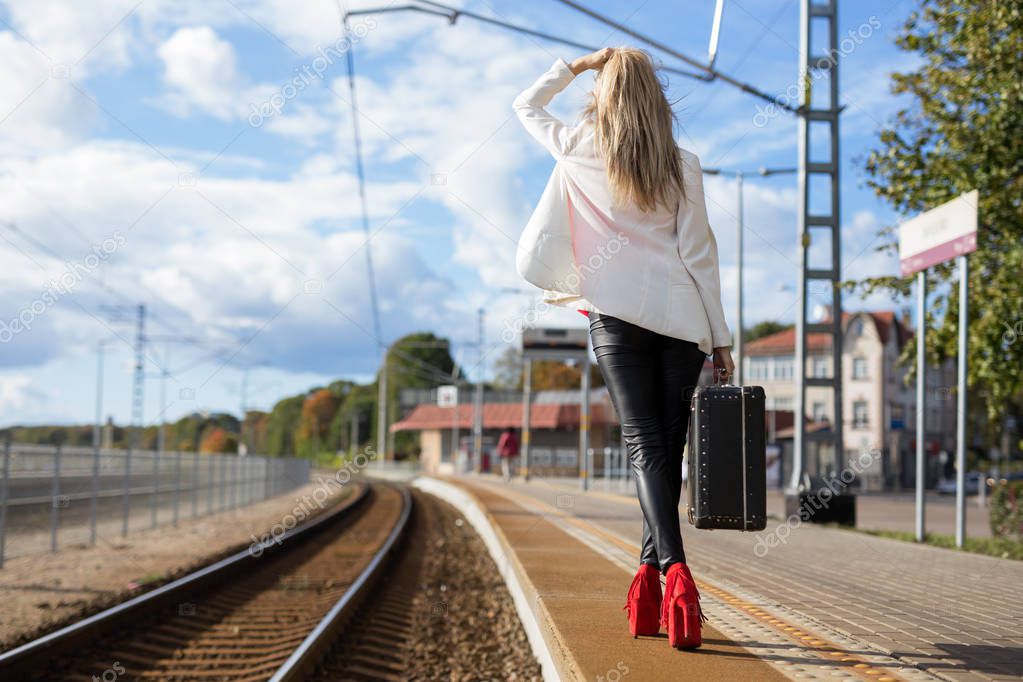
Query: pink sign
[{"x": 939, "y": 235}]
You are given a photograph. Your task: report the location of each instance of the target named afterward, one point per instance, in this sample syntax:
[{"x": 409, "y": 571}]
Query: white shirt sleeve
[
  {"x": 698, "y": 250},
  {"x": 548, "y": 129}
]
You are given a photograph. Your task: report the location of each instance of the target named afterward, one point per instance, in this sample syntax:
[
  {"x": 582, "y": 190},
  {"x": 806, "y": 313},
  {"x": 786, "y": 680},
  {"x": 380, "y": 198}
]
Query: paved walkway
[
  {"x": 578, "y": 612},
  {"x": 956, "y": 615},
  {"x": 874, "y": 511}
]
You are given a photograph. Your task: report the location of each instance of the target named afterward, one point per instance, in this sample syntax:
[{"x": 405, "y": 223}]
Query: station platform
[{"x": 813, "y": 603}]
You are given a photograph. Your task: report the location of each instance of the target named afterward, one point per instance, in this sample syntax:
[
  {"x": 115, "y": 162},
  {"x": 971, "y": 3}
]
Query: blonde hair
[{"x": 634, "y": 133}]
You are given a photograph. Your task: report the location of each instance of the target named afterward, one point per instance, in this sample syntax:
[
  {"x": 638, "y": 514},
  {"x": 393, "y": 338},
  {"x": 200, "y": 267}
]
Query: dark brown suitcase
[{"x": 727, "y": 467}]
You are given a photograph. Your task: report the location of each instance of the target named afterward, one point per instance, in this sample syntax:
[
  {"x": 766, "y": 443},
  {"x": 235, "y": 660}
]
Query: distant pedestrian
[{"x": 507, "y": 450}]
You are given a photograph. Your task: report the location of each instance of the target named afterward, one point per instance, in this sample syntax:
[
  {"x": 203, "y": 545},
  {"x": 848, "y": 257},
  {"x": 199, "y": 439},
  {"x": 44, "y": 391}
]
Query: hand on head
[{"x": 594, "y": 60}]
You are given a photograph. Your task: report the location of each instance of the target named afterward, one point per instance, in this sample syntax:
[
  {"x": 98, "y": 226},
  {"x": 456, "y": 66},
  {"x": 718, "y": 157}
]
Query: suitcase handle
[{"x": 725, "y": 382}]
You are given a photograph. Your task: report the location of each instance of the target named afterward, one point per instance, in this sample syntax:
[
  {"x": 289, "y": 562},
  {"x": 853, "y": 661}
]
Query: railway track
[
  {"x": 253, "y": 616},
  {"x": 441, "y": 612}
]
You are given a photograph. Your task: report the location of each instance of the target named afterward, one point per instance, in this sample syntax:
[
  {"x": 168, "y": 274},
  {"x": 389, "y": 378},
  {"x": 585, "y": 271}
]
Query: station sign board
[
  {"x": 939, "y": 234},
  {"x": 447, "y": 396},
  {"x": 554, "y": 343}
]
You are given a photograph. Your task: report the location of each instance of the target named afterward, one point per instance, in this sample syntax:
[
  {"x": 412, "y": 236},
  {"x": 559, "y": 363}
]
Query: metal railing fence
[{"x": 53, "y": 496}]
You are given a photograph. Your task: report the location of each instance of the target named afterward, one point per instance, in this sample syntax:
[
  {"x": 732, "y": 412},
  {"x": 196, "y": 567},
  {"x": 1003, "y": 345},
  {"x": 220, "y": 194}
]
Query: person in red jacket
[{"x": 507, "y": 450}]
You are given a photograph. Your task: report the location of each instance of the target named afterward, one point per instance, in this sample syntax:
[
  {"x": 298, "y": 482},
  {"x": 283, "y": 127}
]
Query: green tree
[
  {"x": 281, "y": 427},
  {"x": 960, "y": 131},
  {"x": 357, "y": 410},
  {"x": 508, "y": 368},
  {"x": 420, "y": 360},
  {"x": 765, "y": 328},
  {"x": 254, "y": 427}
]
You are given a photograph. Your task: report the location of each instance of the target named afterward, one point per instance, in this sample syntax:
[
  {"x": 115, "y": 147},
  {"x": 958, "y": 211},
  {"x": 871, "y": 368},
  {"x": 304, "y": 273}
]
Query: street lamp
[{"x": 740, "y": 230}]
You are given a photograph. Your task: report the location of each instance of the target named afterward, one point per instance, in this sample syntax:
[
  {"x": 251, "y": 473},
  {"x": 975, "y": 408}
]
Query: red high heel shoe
[
  {"x": 644, "y": 601},
  {"x": 680, "y": 611}
]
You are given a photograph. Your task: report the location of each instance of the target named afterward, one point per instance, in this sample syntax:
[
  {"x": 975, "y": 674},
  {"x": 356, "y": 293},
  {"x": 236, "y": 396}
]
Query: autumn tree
[
  {"x": 215, "y": 439},
  {"x": 318, "y": 411},
  {"x": 548, "y": 375}
]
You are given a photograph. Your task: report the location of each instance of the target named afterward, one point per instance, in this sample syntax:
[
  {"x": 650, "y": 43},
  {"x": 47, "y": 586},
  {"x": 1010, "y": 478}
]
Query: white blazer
[{"x": 657, "y": 270}]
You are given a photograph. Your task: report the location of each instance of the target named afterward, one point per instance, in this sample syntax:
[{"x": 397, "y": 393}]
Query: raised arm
[
  {"x": 699, "y": 252},
  {"x": 548, "y": 129}
]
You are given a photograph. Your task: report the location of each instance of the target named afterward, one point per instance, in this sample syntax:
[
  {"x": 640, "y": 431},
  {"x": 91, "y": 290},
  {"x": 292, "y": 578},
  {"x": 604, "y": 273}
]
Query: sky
[{"x": 198, "y": 157}]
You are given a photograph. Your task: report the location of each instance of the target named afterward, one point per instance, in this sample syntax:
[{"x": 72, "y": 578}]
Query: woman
[
  {"x": 621, "y": 234},
  {"x": 507, "y": 450}
]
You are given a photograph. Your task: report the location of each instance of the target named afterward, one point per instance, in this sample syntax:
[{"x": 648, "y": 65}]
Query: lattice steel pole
[{"x": 817, "y": 64}]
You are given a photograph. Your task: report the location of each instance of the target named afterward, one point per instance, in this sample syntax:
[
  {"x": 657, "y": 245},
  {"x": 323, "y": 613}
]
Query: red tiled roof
[
  {"x": 811, "y": 427},
  {"x": 499, "y": 416},
  {"x": 784, "y": 342}
]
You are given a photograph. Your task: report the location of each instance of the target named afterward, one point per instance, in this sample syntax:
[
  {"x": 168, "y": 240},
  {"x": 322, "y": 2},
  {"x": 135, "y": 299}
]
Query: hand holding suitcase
[{"x": 727, "y": 467}]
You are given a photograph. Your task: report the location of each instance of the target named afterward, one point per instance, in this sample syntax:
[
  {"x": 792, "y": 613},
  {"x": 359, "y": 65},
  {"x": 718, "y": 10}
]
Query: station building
[{"x": 554, "y": 419}]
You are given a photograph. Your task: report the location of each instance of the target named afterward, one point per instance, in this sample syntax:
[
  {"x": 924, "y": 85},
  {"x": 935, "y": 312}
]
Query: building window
[
  {"x": 783, "y": 368},
  {"x": 818, "y": 414},
  {"x": 781, "y": 404},
  {"x": 859, "y": 368},
  {"x": 820, "y": 367},
  {"x": 758, "y": 368},
  {"x": 860, "y": 420}
]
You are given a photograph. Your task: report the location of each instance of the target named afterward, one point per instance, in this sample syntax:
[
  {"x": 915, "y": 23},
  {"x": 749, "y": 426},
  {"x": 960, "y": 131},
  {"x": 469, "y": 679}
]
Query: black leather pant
[{"x": 651, "y": 378}]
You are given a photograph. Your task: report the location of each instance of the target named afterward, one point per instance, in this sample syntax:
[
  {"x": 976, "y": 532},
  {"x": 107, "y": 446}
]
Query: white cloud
[
  {"x": 17, "y": 394},
  {"x": 85, "y": 37},
  {"x": 39, "y": 109},
  {"x": 201, "y": 71}
]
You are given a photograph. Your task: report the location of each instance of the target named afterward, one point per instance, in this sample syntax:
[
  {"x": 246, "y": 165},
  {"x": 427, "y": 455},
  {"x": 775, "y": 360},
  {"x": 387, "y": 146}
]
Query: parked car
[{"x": 947, "y": 486}]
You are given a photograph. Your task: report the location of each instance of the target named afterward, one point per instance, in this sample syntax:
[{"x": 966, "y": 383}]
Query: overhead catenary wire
[
  {"x": 371, "y": 275},
  {"x": 711, "y": 72},
  {"x": 452, "y": 14}
]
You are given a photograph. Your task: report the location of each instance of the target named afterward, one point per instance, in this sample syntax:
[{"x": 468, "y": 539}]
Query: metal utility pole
[
  {"x": 97, "y": 432},
  {"x": 818, "y": 63},
  {"x": 584, "y": 422},
  {"x": 139, "y": 381},
  {"x": 527, "y": 400},
  {"x": 964, "y": 305},
  {"x": 739, "y": 251},
  {"x": 382, "y": 407},
  {"x": 921, "y": 400},
  {"x": 242, "y": 448},
  {"x": 477, "y": 402},
  {"x": 371, "y": 274},
  {"x": 97, "y": 442},
  {"x": 161, "y": 442},
  {"x": 455, "y": 435}
]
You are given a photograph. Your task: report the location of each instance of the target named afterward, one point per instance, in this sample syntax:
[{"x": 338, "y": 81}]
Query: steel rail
[
  {"x": 20, "y": 662},
  {"x": 304, "y": 659}
]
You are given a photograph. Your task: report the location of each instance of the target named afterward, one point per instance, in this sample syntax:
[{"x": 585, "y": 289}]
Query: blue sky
[{"x": 130, "y": 157}]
